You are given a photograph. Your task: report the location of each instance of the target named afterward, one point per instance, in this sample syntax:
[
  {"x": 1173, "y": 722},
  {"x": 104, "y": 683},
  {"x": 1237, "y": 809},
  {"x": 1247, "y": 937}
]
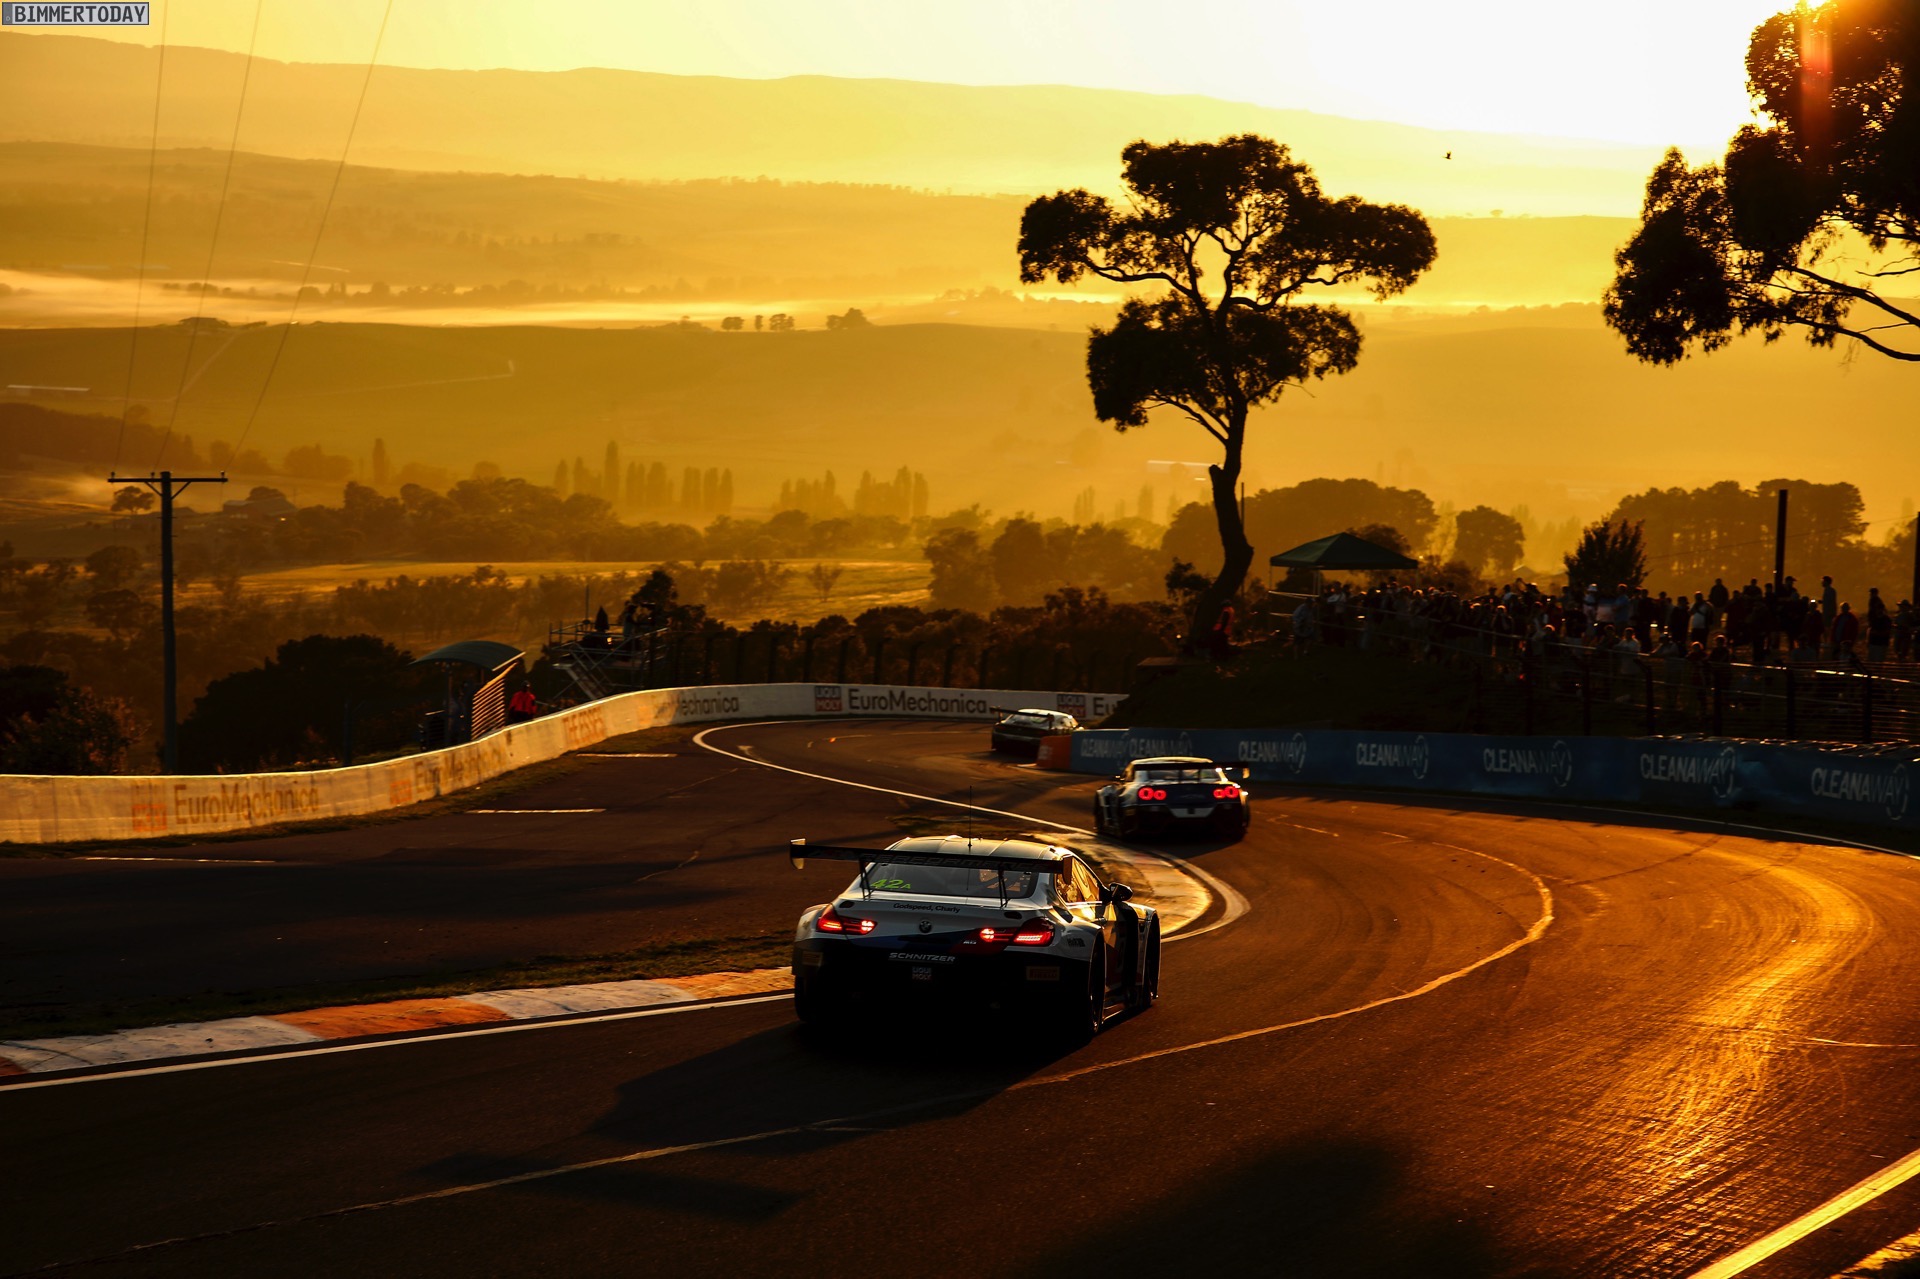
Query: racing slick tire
[
  {"x": 1100, "y": 826},
  {"x": 1146, "y": 992},
  {"x": 1086, "y": 1010},
  {"x": 1233, "y": 826}
]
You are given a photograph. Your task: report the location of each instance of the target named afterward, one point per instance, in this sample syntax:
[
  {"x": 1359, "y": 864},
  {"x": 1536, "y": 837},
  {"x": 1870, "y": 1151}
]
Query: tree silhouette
[
  {"x": 1608, "y": 555},
  {"x": 1233, "y": 233},
  {"x": 1487, "y": 541},
  {"x": 1761, "y": 241}
]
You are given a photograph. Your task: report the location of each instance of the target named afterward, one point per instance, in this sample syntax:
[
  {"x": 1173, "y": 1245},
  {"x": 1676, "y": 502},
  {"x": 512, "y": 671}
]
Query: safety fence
[
  {"x": 1668, "y": 772},
  {"x": 41, "y": 810}
]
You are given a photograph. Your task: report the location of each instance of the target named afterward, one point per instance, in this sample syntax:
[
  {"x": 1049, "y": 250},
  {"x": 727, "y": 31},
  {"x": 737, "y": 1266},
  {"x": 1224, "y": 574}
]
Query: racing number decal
[{"x": 892, "y": 886}]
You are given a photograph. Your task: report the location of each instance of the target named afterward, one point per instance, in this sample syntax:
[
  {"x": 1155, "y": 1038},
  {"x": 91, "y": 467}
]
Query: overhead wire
[
  {"x": 146, "y": 226},
  {"x": 213, "y": 245},
  {"x": 307, "y": 270}
]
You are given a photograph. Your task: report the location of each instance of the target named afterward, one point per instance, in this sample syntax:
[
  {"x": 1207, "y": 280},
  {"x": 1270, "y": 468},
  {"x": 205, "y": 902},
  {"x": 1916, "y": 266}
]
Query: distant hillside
[
  {"x": 721, "y": 239},
  {"x": 1535, "y": 408},
  {"x": 627, "y": 124}
]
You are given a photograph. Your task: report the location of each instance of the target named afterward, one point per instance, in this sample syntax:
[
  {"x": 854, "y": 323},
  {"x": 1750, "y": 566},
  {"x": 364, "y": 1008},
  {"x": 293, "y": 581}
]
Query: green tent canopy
[{"x": 1343, "y": 551}]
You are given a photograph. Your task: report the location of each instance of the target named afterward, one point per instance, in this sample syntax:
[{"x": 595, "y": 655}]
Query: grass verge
[{"x": 668, "y": 959}]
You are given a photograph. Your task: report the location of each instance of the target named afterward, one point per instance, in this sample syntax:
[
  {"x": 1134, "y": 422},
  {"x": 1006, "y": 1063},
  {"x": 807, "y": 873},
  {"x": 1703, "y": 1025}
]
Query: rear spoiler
[{"x": 798, "y": 850}]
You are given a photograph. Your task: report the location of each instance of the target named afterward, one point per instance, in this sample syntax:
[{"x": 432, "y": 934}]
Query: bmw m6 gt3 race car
[
  {"x": 1021, "y": 731},
  {"x": 1154, "y": 796},
  {"x": 1013, "y": 924}
]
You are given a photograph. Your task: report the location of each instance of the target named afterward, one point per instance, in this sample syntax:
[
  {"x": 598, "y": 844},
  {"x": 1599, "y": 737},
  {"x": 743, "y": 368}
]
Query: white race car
[{"x": 1014, "y": 924}]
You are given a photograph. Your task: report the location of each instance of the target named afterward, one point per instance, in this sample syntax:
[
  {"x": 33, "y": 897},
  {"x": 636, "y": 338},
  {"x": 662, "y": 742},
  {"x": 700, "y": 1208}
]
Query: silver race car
[
  {"x": 1019, "y": 732},
  {"x": 1164, "y": 794},
  {"x": 1013, "y": 924}
]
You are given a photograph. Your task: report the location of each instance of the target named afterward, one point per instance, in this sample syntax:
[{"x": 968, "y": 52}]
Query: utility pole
[
  {"x": 168, "y": 486},
  {"x": 1780, "y": 545},
  {"x": 1915, "y": 597}
]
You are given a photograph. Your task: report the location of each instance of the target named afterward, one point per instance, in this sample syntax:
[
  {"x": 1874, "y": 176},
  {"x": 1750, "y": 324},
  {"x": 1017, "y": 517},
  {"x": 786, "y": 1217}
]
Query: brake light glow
[
  {"x": 1037, "y": 932},
  {"x": 1152, "y": 792},
  {"x": 1226, "y": 792},
  {"x": 832, "y": 921}
]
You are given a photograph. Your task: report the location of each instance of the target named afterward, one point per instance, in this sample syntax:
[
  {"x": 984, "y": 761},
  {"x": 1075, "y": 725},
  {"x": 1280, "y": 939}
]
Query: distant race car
[
  {"x": 1021, "y": 731},
  {"x": 1154, "y": 796},
  {"x": 1013, "y": 924}
]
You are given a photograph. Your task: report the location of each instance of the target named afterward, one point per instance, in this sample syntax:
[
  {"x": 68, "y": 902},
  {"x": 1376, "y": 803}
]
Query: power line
[
  {"x": 146, "y": 224},
  {"x": 307, "y": 270},
  {"x": 219, "y": 215}
]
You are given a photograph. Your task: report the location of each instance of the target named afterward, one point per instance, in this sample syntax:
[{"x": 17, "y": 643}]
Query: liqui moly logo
[{"x": 828, "y": 699}]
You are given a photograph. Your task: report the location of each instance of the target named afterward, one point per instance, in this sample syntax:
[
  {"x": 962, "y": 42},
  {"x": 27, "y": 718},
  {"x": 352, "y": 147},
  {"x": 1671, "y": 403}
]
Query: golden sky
[{"x": 1649, "y": 71}]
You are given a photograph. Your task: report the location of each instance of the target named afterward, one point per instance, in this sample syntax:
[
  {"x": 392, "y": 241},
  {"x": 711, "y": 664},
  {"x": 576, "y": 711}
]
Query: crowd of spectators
[{"x": 1718, "y": 626}]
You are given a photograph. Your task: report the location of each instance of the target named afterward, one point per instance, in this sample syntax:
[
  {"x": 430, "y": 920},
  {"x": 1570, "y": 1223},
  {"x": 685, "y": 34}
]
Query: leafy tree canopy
[
  {"x": 1772, "y": 237},
  {"x": 1231, "y": 236}
]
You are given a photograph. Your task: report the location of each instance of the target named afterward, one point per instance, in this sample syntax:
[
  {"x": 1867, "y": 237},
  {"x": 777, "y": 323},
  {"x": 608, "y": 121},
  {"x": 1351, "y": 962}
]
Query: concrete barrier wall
[
  {"x": 1871, "y": 790},
  {"x": 44, "y": 810}
]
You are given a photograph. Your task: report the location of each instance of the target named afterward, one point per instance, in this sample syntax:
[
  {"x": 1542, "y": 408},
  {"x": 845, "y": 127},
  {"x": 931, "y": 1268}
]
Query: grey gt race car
[
  {"x": 1156, "y": 796},
  {"x": 1012, "y": 924},
  {"x": 1021, "y": 731}
]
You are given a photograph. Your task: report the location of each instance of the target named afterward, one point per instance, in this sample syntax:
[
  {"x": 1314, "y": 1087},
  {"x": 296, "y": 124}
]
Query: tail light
[
  {"x": 1035, "y": 932},
  {"x": 1226, "y": 792},
  {"x": 832, "y": 921},
  {"x": 1152, "y": 792}
]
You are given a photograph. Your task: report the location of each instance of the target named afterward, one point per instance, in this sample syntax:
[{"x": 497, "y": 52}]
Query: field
[{"x": 863, "y": 584}]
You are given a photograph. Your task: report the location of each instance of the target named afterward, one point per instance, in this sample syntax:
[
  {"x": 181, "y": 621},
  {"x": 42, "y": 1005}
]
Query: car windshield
[
  {"x": 948, "y": 881},
  {"x": 1162, "y": 776}
]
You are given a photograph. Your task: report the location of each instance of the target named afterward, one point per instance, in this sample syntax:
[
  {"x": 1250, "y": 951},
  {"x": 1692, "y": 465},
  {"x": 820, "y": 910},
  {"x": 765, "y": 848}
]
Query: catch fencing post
[
  {"x": 1646, "y": 669},
  {"x": 1866, "y": 708},
  {"x": 1719, "y": 697},
  {"x": 1526, "y": 694}
]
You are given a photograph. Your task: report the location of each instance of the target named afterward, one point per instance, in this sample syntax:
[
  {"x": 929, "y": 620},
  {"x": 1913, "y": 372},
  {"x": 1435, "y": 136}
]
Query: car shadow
[{"x": 788, "y": 1090}]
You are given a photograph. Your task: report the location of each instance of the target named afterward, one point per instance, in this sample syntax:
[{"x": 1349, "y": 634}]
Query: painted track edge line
[
  {"x": 1233, "y": 904},
  {"x": 1855, "y": 1196},
  {"x": 427, "y": 1037}
]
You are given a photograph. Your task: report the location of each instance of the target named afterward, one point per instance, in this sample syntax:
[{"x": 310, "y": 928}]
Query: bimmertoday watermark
[{"x": 16, "y": 13}]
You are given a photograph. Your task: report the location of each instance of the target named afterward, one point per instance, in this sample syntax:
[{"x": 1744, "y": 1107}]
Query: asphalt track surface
[{"x": 1442, "y": 1042}]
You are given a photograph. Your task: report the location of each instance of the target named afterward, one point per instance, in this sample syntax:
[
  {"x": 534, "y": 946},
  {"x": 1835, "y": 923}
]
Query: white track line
[
  {"x": 849, "y": 1123},
  {"x": 511, "y": 1028},
  {"x": 1234, "y": 905},
  {"x": 1855, "y": 1196}
]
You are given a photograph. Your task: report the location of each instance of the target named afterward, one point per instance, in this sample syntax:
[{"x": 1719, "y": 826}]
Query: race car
[
  {"x": 1155, "y": 796},
  {"x": 1016, "y": 925},
  {"x": 1021, "y": 731}
]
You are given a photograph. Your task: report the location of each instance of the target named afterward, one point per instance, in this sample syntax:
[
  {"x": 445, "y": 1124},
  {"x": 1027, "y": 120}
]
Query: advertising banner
[{"x": 1670, "y": 773}]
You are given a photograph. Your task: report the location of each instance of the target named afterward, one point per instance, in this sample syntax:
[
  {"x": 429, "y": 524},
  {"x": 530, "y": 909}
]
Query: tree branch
[
  {"x": 1857, "y": 293},
  {"x": 1205, "y": 424}
]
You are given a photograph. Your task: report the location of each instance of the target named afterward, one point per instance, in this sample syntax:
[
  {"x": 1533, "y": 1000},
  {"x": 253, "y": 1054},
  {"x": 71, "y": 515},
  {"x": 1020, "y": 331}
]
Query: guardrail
[
  {"x": 1873, "y": 790},
  {"x": 44, "y": 810}
]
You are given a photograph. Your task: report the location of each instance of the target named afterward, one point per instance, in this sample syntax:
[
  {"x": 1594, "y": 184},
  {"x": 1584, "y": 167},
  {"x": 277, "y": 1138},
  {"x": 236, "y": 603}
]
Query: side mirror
[
  {"x": 1118, "y": 893},
  {"x": 1119, "y": 777}
]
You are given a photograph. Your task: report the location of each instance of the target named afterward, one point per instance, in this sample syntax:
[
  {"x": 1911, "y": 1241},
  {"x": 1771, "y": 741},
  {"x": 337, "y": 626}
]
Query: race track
[{"x": 1440, "y": 1042}]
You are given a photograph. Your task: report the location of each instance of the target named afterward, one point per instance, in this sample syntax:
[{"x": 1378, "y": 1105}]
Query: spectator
[
  {"x": 1846, "y": 632},
  {"x": 1718, "y": 597},
  {"x": 522, "y": 706},
  {"x": 1879, "y": 629},
  {"x": 1829, "y": 603}
]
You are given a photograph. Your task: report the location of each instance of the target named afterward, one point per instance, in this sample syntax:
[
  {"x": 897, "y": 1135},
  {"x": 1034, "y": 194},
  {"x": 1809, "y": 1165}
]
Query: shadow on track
[{"x": 1311, "y": 1209}]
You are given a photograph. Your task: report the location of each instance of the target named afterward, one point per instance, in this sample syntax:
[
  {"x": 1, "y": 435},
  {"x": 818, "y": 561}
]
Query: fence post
[
  {"x": 840, "y": 671},
  {"x": 1526, "y": 693},
  {"x": 678, "y": 642},
  {"x": 879, "y": 658},
  {"x": 946, "y": 667},
  {"x": 1646, "y": 668},
  {"x": 1791, "y": 690},
  {"x": 1586, "y": 697},
  {"x": 653, "y": 655}
]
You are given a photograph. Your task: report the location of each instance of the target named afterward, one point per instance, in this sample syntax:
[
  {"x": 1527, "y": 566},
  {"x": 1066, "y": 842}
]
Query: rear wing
[{"x": 798, "y": 850}]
